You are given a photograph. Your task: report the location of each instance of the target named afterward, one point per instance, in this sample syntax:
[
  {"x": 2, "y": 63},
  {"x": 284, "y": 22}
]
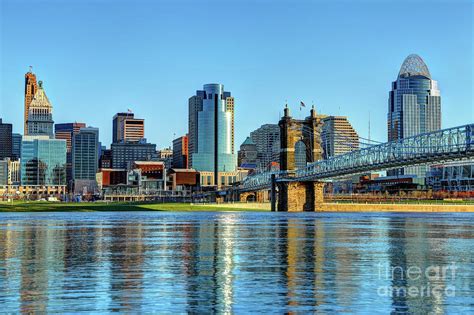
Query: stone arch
[{"x": 251, "y": 198}]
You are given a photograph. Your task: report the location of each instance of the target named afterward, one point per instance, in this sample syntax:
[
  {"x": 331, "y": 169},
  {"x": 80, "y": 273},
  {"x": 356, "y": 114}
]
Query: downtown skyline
[{"x": 338, "y": 82}]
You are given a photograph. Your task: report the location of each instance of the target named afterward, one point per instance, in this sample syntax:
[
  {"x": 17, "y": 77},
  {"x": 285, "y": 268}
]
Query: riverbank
[
  {"x": 372, "y": 207},
  {"x": 41, "y": 206}
]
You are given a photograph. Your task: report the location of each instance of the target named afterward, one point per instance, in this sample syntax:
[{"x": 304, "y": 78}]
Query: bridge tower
[{"x": 299, "y": 195}]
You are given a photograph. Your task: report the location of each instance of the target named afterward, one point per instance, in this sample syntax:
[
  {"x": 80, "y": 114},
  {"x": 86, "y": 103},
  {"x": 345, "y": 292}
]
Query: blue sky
[{"x": 100, "y": 57}]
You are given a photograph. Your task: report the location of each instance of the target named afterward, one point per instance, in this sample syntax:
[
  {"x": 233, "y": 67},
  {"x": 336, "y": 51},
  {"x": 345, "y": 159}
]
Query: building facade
[
  {"x": 16, "y": 146},
  {"x": 14, "y": 172},
  {"x": 123, "y": 154},
  {"x": 165, "y": 155},
  {"x": 213, "y": 131},
  {"x": 31, "y": 87},
  {"x": 180, "y": 152},
  {"x": 85, "y": 145},
  {"x": 4, "y": 172},
  {"x": 338, "y": 136},
  {"x": 105, "y": 160},
  {"x": 66, "y": 131},
  {"x": 267, "y": 140},
  {"x": 6, "y": 141},
  {"x": 127, "y": 128},
  {"x": 414, "y": 107},
  {"x": 452, "y": 176},
  {"x": 40, "y": 114},
  {"x": 225, "y": 179},
  {"x": 248, "y": 155},
  {"x": 195, "y": 106},
  {"x": 43, "y": 161}
]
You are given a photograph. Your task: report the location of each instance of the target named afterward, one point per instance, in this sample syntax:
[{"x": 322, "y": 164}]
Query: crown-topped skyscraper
[
  {"x": 40, "y": 114},
  {"x": 414, "y": 106}
]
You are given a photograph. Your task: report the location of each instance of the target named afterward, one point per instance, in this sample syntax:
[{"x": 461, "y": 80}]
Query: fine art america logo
[{"x": 415, "y": 281}]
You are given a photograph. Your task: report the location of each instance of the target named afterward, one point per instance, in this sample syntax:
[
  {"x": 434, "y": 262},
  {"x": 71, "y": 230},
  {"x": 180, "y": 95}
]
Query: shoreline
[
  {"x": 38, "y": 206},
  {"x": 381, "y": 207}
]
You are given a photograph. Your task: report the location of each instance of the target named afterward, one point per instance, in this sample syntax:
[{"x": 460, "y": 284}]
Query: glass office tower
[
  {"x": 215, "y": 134},
  {"x": 85, "y": 158},
  {"x": 43, "y": 161},
  {"x": 414, "y": 107}
]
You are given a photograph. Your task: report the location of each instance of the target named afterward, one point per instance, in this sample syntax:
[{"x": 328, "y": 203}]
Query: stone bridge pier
[
  {"x": 294, "y": 196},
  {"x": 304, "y": 135}
]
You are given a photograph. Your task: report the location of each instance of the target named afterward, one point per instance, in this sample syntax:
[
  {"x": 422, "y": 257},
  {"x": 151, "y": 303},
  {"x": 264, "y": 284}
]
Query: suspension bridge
[{"x": 300, "y": 189}]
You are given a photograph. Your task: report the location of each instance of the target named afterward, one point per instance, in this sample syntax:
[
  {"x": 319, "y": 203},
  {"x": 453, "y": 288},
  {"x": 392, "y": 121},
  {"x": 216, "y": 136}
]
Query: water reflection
[{"x": 233, "y": 262}]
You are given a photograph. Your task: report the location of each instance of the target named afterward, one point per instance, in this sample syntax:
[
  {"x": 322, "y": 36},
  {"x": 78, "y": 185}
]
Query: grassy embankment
[{"x": 42, "y": 206}]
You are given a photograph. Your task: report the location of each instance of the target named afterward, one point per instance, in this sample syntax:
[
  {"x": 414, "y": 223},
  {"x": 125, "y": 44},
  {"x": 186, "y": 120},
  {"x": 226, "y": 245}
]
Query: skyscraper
[
  {"x": 338, "y": 136},
  {"x": 30, "y": 90},
  {"x": 66, "y": 131},
  {"x": 5, "y": 140},
  {"x": 212, "y": 130},
  {"x": 414, "y": 106},
  {"x": 267, "y": 140},
  {"x": 127, "y": 128},
  {"x": 40, "y": 114},
  {"x": 16, "y": 146},
  {"x": 195, "y": 106},
  {"x": 85, "y": 146}
]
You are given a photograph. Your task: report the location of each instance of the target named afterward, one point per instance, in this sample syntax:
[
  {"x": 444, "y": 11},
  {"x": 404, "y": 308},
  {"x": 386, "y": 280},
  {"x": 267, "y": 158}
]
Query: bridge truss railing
[{"x": 444, "y": 145}]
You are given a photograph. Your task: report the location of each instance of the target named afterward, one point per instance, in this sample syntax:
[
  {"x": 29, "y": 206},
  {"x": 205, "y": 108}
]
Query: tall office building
[
  {"x": 180, "y": 152},
  {"x": 414, "y": 107},
  {"x": 117, "y": 123},
  {"x": 30, "y": 90},
  {"x": 212, "y": 130},
  {"x": 66, "y": 131},
  {"x": 85, "y": 145},
  {"x": 127, "y": 128},
  {"x": 16, "y": 146},
  {"x": 43, "y": 161},
  {"x": 195, "y": 106},
  {"x": 338, "y": 136},
  {"x": 85, "y": 160},
  {"x": 6, "y": 144},
  {"x": 40, "y": 114},
  {"x": 267, "y": 140}
]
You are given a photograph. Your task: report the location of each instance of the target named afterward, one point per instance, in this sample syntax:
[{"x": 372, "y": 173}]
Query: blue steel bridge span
[{"x": 444, "y": 145}]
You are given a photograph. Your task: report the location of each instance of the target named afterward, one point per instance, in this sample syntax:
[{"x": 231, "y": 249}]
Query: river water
[{"x": 236, "y": 262}]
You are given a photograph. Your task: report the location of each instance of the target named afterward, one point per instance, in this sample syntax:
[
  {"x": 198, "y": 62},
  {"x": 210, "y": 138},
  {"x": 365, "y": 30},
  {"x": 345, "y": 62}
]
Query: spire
[
  {"x": 313, "y": 111},
  {"x": 286, "y": 111}
]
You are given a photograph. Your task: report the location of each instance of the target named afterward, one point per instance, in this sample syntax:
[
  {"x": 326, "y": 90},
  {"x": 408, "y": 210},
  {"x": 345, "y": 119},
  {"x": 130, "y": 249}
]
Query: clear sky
[{"x": 97, "y": 58}]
